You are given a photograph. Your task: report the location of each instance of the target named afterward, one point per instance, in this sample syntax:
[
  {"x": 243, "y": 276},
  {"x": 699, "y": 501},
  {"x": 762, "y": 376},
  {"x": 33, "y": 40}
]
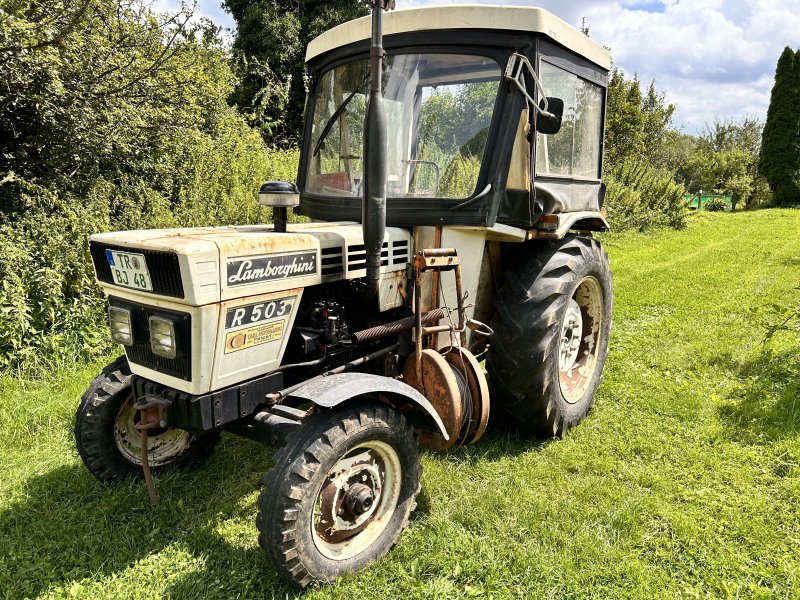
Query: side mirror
[{"x": 550, "y": 125}]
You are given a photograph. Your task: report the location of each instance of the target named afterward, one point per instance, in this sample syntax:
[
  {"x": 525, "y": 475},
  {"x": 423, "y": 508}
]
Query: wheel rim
[
  {"x": 163, "y": 445},
  {"x": 357, "y": 500},
  {"x": 581, "y": 330}
]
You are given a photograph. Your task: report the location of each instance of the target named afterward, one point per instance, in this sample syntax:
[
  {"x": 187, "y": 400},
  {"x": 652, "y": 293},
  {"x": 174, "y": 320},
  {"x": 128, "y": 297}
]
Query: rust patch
[
  {"x": 466, "y": 364},
  {"x": 439, "y": 386}
]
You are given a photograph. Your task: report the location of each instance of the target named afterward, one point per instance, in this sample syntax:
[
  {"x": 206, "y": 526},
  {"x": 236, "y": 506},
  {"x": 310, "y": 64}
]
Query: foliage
[
  {"x": 677, "y": 150},
  {"x": 641, "y": 197},
  {"x": 779, "y": 160},
  {"x": 779, "y": 316},
  {"x": 269, "y": 58},
  {"x": 725, "y": 160},
  {"x": 111, "y": 117},
  {"x": 637, "y": 122},
  {"x": 716, "y": 205},
  {"x": 453, "y": 130}
]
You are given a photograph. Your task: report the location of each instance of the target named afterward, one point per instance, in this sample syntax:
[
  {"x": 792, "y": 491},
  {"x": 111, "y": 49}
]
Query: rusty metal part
[
  {"x": 357, "y": 500},
  {"x": 436, "y": 329},
  {"x": 464, "y": 361},
  {"x": 395, "y": 327},
  {"x": 462, "y": 312},
  {"x": 418, "y": 323},
  {"x": 436, "y": 258},
  {"x": 347, "y": 499},
  {"x": 437, "y": 252},
  {"x": 556, "y": 226},
  {"x": 439, "y": 385},
  {"x": 152, "y": 415},
  {"x": 148, "y": 474},
  {"x": 435, "y": 277}
]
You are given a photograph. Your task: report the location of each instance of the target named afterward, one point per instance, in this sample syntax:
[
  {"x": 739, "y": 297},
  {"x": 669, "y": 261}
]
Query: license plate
[{"x": 129, "y": 270}]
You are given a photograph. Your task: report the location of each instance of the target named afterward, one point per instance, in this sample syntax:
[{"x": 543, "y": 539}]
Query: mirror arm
[{"x": 515, "y": 73}]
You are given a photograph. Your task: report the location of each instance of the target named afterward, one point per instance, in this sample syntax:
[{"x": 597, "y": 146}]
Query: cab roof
[{"x": 465, "y": 16}]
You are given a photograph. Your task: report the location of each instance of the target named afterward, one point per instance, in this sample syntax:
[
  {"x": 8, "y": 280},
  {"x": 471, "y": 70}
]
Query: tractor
[{"x": 450, "y": 180}]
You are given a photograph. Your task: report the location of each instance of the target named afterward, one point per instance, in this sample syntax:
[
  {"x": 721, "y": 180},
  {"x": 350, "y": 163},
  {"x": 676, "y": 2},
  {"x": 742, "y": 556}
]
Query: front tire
[
  {"x": 551, "y": 335},
  {"x": 340, "y": 493},
  {"x": 108, "y": 441}
]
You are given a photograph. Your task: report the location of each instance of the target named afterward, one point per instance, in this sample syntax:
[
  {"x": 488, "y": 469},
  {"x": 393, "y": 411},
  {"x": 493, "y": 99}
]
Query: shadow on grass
[
  {"x": 767, "y": 406},
  {"x": 67, "y": 527}
]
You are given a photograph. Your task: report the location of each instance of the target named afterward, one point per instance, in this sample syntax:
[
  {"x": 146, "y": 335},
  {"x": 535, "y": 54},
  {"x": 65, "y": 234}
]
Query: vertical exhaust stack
[{"x": 373, "y": 209}]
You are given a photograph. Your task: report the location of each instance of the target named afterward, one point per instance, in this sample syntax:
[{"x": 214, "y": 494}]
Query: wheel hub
[
  {"x": 359, "y": 499},
  {"x": 163, "y": 445},
  {"x": 571, "y": 331},
  {"x": 581, "y": 338},
  {"x": 356, "y": 501},
  {"x": 347, "y": 500}
]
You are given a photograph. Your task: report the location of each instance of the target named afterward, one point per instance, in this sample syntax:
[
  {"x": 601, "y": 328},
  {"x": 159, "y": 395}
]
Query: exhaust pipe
[{"x": 373, "y": 207}]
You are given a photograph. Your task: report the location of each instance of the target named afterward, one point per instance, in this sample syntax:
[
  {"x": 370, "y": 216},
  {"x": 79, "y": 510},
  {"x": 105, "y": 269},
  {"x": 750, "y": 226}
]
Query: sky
[{"x": 712, "y": 58}]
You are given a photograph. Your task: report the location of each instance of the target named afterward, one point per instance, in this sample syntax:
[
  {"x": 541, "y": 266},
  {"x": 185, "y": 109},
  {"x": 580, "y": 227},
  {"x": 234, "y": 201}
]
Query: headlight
[
  {"x": 162, "y": 337},
  {"x": 119, "y": 320}
]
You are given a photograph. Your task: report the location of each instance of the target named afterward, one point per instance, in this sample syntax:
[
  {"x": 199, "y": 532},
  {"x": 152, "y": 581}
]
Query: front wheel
[
  {"x": 551, "y": 333},
  {"x": 108, "y": 441},
  {"x": 340, "y": 493}
]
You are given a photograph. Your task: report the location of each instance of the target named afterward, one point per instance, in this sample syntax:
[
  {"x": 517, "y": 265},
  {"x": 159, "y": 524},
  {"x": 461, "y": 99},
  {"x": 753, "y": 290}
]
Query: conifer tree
[{"x": 779, "y": 159}]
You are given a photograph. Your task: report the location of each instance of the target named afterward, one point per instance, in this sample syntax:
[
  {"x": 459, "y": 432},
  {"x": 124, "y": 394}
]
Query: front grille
[
  {"x": 165, "y": 272},
  {"x": 140, "y": 352}
]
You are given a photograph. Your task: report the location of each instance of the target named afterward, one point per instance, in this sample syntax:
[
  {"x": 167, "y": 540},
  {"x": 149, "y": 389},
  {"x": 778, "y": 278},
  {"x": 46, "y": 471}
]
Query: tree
[
  {"x": 269, "y": 58},
  {"x": 111, "y": 117},
  {"x": 779, "y": 159},
  {"x": 725, "y": 161},
  {"x": 636, "y": 122}
]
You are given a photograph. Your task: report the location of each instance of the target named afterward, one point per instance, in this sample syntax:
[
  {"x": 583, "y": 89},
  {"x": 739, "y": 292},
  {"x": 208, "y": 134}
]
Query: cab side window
[{"x": 575, "y": 150}]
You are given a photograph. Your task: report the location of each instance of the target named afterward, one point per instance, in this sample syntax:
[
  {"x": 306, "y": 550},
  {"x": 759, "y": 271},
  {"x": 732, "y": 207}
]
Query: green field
[{"x": 683, "y": 481}]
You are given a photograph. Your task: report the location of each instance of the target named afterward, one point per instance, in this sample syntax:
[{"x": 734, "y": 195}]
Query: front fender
[{"x": 333, "y": 390}]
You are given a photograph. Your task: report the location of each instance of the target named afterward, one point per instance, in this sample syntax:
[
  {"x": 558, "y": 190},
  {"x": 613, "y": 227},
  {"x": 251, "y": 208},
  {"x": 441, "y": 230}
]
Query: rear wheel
[
  {"x": 340, "y": 493},
  {"x": 551, "y": 334},
  {"x": 108, "y": 441}
]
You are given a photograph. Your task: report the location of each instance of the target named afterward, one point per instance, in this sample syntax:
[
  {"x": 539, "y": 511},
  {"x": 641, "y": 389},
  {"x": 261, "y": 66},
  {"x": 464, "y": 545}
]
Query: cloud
[{"x": 714, "y": 58}]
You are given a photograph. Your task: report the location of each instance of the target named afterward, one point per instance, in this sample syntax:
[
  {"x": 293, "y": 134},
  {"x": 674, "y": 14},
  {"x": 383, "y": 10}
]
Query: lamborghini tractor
[{"x": 450, "y": 180}]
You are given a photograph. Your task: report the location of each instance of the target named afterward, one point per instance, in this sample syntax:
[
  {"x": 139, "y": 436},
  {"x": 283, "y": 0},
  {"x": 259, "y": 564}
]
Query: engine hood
[{"x": 221, "y": 263}]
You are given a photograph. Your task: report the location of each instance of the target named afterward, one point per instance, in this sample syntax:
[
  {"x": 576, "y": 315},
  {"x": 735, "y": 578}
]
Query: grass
[{"x": 682, "y": 482}]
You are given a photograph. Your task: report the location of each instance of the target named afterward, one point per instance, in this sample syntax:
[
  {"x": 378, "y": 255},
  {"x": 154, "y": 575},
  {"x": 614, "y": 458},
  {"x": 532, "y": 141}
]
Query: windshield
[{"x": 438, "y": 111}]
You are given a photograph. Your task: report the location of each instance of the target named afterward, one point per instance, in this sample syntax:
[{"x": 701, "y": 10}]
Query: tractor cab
[{"x": 494, "y": 114}]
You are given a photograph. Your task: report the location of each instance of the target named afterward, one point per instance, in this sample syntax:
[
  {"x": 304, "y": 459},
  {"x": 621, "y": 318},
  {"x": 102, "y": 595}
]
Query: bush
[
  {"x": 95, "y": 147},
  {"x": 641, "y": 197},
  {"x": 716, "y": 205}
]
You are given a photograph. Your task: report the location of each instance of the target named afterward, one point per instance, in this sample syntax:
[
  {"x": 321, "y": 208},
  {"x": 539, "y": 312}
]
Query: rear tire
[
  {"x": 551, "y": 327},
  {"x": 108, "y": 442},
  {"x": 309, "y": 526}
]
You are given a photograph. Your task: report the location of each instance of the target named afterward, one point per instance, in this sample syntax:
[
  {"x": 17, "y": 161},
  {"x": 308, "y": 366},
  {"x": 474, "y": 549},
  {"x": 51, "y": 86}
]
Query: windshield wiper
[{"x": 330, "y": 122}]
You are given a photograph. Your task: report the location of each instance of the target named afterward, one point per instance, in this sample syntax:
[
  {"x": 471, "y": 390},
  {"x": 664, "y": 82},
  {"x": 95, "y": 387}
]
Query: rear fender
[{"x": 333, "y": 390}]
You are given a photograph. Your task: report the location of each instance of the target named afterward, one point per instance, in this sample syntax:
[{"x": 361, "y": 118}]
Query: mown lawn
[{"x": 683, "y": 481}]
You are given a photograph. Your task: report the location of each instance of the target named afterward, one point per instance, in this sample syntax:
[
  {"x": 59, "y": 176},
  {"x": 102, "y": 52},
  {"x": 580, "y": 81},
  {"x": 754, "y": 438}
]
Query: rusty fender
[{"x": 330, "y": 391}]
